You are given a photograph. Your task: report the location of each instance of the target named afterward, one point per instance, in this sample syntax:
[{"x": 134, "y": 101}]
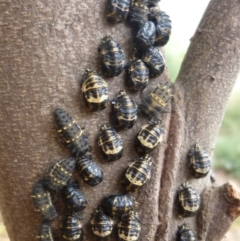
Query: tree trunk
[{"x": 45, "y": 47}]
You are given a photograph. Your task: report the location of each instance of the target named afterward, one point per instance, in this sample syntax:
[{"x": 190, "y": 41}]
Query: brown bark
[{"x": 45, "y": 48}]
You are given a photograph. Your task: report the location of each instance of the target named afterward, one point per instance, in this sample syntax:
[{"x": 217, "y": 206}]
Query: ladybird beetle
[
  {"x": 59, "y": 175},
  {"x": 185, "y": 233},
  {"x": 153, "y": 2},
  {"x": 149, "y": 137},
  {"x": 89, "y": 170},
  {"x": 129, "y": 227},
  {"x": 138, "y": 173},
  {"x": 111, "y": 143},
  {"x": 43, "y": 202},
  {"x": 154, "y": 60},
  {"x": 45, "y": 232},
  {"x": 73, "y": 197},
  {"x": 117, "y": 205},
  {"x": 137, "y": 74},
  {"x": 189, "y": 200},
  {"x": 125, "y": 110},
  {"x": 145, "y": 35},
  {"x": 95, "y": 91},
  {"x": 101, "y": 224},
  {"x": 138, "y": 12},
  {"x": 154, "y": 13},
  {"x": 117, "y": 10},
  {"x": 163, "y": 25},
  {"x": 112, "y": 55},
  {"x": 71, "y": 132},
  {"x": 157, "y": 100},
  {"x": 163, "y": 30},
  {"x": 72, "y": 227},
  {"x": 199, "y": 161}
]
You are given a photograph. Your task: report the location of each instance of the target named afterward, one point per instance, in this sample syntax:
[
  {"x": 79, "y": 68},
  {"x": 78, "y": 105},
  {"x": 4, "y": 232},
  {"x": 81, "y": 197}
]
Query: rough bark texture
[
  {"x": 203, "y": 87},
  {"x": 45, "y": 46}
]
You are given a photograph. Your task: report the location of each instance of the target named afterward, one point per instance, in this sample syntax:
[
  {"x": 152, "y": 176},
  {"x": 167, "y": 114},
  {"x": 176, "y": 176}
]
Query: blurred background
[{"x": 185, "y": 16}]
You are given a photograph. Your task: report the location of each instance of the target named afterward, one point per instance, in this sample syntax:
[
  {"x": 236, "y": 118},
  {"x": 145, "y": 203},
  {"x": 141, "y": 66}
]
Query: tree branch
[
  {"x": 221, "y": 205},
  {"x": 45, "y": 48},
  {"x": 202, "y": 90}
]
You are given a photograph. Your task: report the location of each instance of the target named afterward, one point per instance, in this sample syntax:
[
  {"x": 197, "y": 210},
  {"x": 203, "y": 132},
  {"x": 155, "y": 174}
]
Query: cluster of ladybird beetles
[{"x": 151, "y": 28}]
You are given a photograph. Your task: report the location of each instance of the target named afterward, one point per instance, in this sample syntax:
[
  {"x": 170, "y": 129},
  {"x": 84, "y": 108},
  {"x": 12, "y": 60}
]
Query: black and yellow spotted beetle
[
  {"x": 137, "y": 75},
  {"x": 144, "y": 35},
  {"x": 124, "y": 110},
  {"x": 42, "y": 201},
  {"x": 129, "y": 227},
  {"x": 101, "y": 224},
  {"x": 73, "y": 197},
  {"x": 189, "y": 200},
  {"x": 45, "y": 232},
  {"x": 149, "y": 137},
  {"x": 185, "y": 233},
  {"x": 156, "y": 102},
  {"x": 117, "y": 205},
  {"x": 153, "y": 58},
  {"x": 163, "y": 25},
  {"x": 154, "y": 13},
  {"x": 153, "y": 2},
  {"x": 117, "y": 10},
  {"x": 163, "y": 30},
  {"x": 95, "y": 91},
  {"x": 199, "y": 161},
  {"x": 112, "y": 55},
  {"x": 58, "y": 176},
  {"x": 138, "y": 173},
  {"x": 89, "y": 170},
  {"x": 138, "y": 12},
  {"x": 111, "y": 143},
  {"x": 72, "y": 227},
  {"x": 71, "y": 132}
]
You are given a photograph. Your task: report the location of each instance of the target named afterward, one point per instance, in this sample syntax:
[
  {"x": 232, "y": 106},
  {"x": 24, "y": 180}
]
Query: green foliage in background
[
  {"x": 174, "y": 61},
  {"x": 227, "y": 151}
]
